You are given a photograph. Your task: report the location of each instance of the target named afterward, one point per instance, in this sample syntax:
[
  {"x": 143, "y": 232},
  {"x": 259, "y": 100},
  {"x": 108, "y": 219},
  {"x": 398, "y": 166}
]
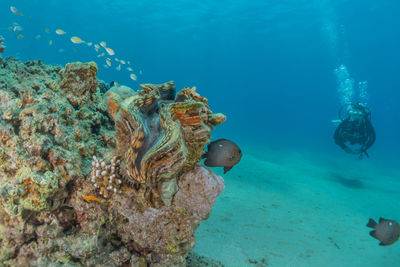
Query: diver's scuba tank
[{"x": 356, "y": 109}]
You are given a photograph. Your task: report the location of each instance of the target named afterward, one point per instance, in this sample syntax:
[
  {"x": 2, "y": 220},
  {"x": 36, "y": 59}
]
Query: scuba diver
[{"x": 355, "y": 129}]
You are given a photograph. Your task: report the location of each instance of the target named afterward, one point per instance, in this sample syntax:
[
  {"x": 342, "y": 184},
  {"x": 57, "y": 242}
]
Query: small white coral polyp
[{"x": 105, "y": 177}]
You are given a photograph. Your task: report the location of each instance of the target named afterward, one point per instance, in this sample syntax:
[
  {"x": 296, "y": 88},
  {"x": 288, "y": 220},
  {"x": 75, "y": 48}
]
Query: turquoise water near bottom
[{"x": 285, "y": 207}]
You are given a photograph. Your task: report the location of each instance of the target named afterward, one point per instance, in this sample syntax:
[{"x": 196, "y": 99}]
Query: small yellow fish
[
  {"x": 107, "y": 58},
  {"x": 37, "y": 37},
  {"x": 47, "y": 30},
  {"x": 101, "y": 55},
  {"x": 76, "y": 40},
  {"x": 50, "y": 42},
  {"x": 122, "y": 62},
  {"x": 20, "y": 36},
  {"x": 133, "y": 77},
  {"x": 108, "y": 62},
  {"x": 15, "y": 11},
  {"x": 118, "y": 68},
  {"x": 89, "y": 198},
  {"x": 60, "y": 32},
  {"x": 110, "y": 51},
  {"x": 105, "y": 66},
  {"x": 116, "y": 59},
  {"x": 89, "y": 44},
  {"x": 103, "y": 44},
  {"x": 97, "y": 46},
  {"x": 129, "y": 63},
  {"x": 129, "y": 69}
]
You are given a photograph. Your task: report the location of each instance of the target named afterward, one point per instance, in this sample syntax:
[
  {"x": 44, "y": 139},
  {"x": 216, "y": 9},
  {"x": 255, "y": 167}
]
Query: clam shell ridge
[{"x": 160, "y": 135}]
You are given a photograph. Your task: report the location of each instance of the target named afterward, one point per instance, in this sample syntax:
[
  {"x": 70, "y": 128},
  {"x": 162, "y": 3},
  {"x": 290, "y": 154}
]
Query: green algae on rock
[{"x": 63, "y": 141}]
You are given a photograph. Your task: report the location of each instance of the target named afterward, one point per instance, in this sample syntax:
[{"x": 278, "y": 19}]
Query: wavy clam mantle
[
  {"x": 159, "y": 136},
  {"x": 91, "y": 175}
]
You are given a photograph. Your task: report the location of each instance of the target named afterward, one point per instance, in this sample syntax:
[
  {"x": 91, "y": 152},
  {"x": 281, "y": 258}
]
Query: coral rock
[
  {"x": 66, "y": 150},
  {"x": 79, "y": 81},
  {"x": 170, "y": 229},
  {"x": 198, "y": 191},
  {"x": 216, "y": 118},
  {"x": 46, "y": 146}
]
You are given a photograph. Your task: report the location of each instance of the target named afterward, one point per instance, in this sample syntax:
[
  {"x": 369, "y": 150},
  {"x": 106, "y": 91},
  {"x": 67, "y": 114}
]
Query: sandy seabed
[{"x": 298, "y": 209}]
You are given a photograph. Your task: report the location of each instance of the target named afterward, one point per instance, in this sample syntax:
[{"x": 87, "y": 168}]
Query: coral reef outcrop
[{"x": 93, "y": 177}]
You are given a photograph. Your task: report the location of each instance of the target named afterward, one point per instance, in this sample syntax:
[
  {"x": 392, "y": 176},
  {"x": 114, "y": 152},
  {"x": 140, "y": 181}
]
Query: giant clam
[{"x": 160, "y": 135}]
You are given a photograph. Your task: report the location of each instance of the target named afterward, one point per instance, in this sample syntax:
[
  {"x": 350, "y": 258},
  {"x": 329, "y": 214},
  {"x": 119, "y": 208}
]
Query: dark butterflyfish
[
  {"x": 386, "y": 231},
  {"x": 222, "y": 153}
]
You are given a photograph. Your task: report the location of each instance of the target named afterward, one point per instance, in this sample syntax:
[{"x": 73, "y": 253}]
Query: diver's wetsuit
[{"x": 359, "y": 131}]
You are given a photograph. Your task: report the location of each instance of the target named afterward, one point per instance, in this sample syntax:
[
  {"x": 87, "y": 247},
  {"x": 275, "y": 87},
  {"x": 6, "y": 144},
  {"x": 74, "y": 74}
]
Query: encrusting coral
[{"x": 90, "y": 178}]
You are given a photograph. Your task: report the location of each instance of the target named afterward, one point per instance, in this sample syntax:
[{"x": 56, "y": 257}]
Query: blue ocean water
[{"x": 268, "y": 65}]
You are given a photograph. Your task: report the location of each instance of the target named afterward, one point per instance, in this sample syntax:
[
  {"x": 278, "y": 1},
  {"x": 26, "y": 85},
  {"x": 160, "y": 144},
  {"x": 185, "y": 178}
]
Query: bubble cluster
[
  {"x": 346, "y": 88},
  {"x": 363, "y": 88},
  {"x": 345, "y": 85}
]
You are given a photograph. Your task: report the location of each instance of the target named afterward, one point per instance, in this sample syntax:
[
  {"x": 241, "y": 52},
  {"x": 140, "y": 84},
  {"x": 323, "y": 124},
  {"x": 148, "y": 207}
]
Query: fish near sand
[
  {"x": 222, "y": 153},
  {"x": 387, "y": 231}
]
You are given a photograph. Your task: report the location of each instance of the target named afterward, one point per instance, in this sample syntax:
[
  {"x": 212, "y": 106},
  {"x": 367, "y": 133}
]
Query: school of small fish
[{"x": 98, "y": 47}]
